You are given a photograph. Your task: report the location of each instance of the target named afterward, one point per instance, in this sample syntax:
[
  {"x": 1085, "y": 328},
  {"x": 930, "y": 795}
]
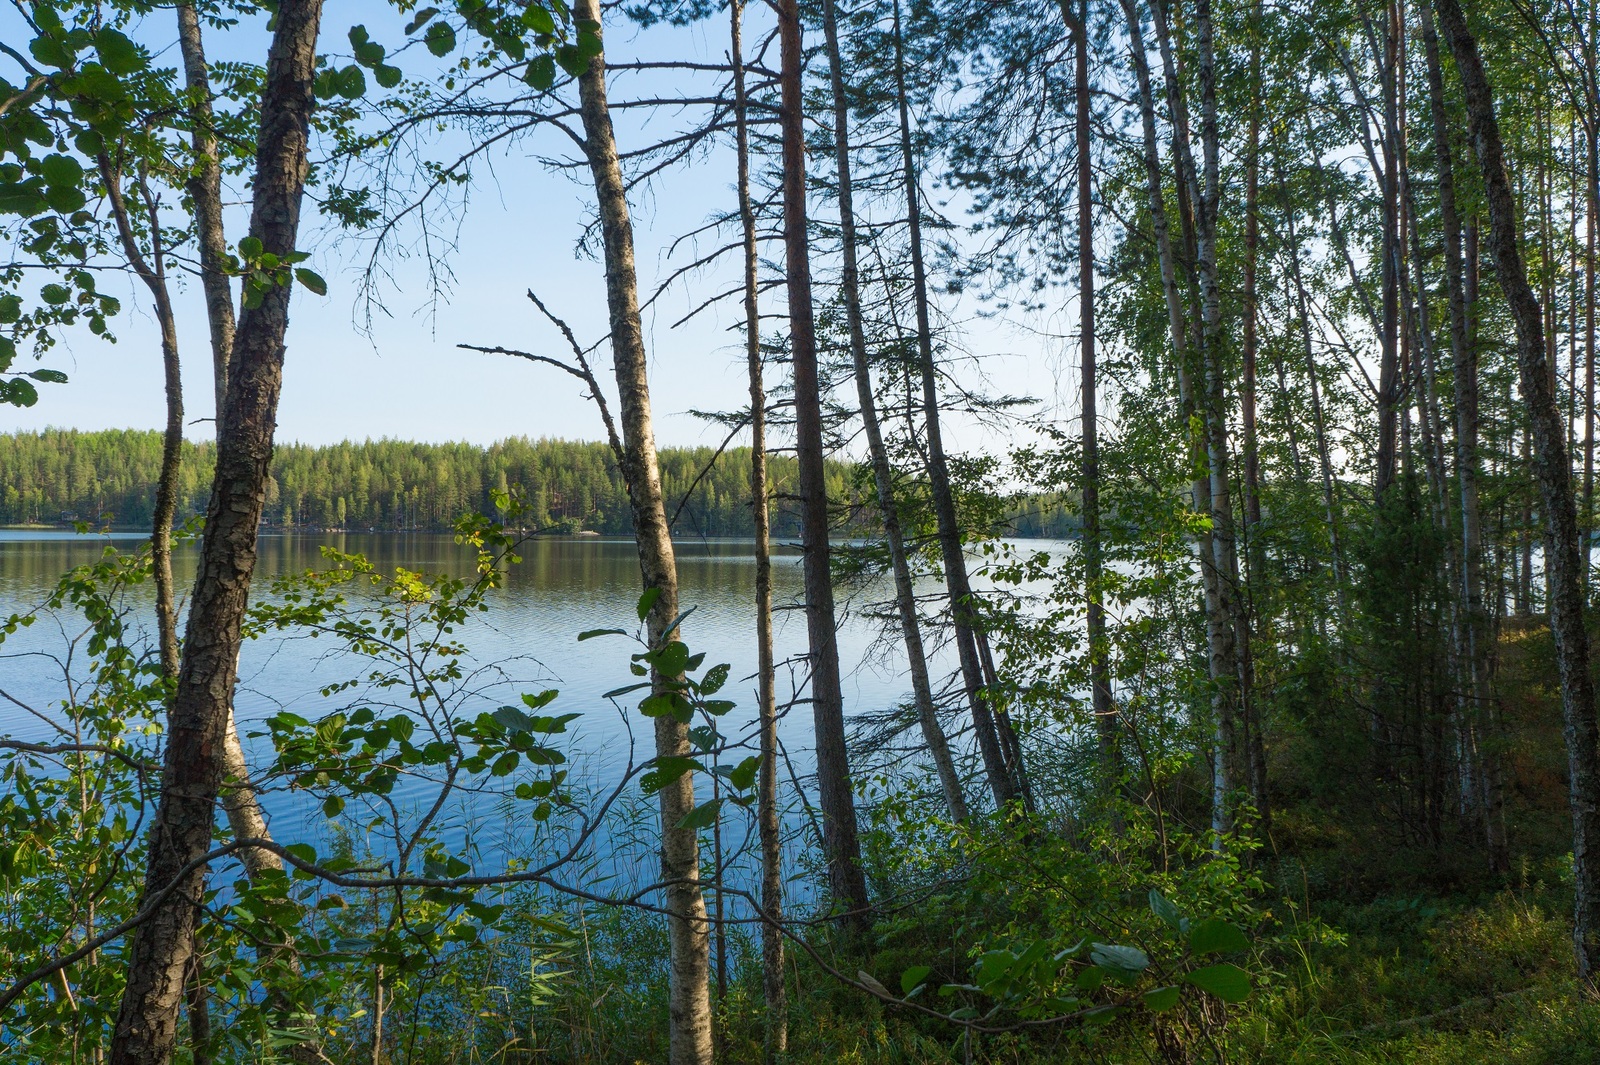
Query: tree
[
  {"x": 192, "y": 772},
  {"x": 688, "y": 929},
  {"x": 1552, "y": 467},
  {"x": 840, "y": 840}
]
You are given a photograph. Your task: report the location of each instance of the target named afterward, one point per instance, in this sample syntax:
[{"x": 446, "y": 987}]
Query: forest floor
[{"x": 1391, "y": 950}]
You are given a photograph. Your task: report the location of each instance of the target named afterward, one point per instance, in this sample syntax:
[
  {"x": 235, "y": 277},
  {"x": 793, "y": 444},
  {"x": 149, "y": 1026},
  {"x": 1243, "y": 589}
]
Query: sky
[{"x": 405, "y": 378}]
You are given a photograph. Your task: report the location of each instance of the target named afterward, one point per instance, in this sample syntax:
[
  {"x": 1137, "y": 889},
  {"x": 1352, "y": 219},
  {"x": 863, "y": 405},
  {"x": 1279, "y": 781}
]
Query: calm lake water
[{"x": 560, "y": 588}]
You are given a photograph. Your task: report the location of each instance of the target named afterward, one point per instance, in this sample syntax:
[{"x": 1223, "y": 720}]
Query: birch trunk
[
  {"x": 687, "y": 928},
  {"x": 1464, "y": 366},
  {"x": 180, "y": 835},
  {"x": 1552, "y": 468},
  {"x": 1107, "y": 725}
]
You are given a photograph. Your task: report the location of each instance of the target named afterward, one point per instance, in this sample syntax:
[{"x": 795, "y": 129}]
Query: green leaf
[
  {"x": 19, "y": 393},
  {"x": 912, "y": 978},
  {"x": 118, "y": 54},
  {"x": 701, "y": 816},
  {"x": 664, "y": 772},
  {"x": 440, "y": 39},
  {"x": 714, "y": 679},
  {"x": 55, "y": 295},
  {"x": 250, "y": 247},
  {"x": 386, "y": 76},
  {"x": 352, "y": 83},
  {"x": 504, "y": 764},
  {"x": 331, "y": 806},
  {"x": 55, "y": 377},
  {"x": 370, "y": 54},
  {"x": 1119, "y": 959},
  {"x": 61, "y": 170},
  {"x": 538, "y": 19},
  {"x": 541, "y": 73},
  {"x": 25, "y": 199},
  {"x": 358, "y": 36},
  {"x": 743, "y": 775},
  {"x": 542, "y": 700},
  {"x": 1228, "y": 982},
  {"x": 1214, "y": 936},
  {"x": 420, "y": 19},
  {"x": 589, "y": 634},
  {"x": 1162, "y": 998},
  {"x": 310, "y": 279},
  {"x": 667, "y": 704},
  {"x": 672, "y": 659},
  {"x": 64, "y": 199},
  {"x": 648, "y": 600},
  {"x": 614, "y": 692},
  {"x": 1162, "y": 908},
  {"x": 513, "y": 719}
]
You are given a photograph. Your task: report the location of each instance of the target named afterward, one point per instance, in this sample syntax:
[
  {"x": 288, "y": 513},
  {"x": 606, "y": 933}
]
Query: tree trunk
[
  {"x": 205, "y": 189},
  {"x": 774, "y": 993},
  {"x": 1586, "y": 529},
  {"x": 687, "y": 929},
  {"x": 1230, "y": 696},
  {"x": 1552, "y": 468},
  {"x": 1464, "y": 364},
  {"x": 245, "y": 817},
  {"x": 840, "y": 842},
  {"x": 882, "y": 474},
  {"x": 1389, "y": 367},
  {"x": 1107, "y": 724},
  {"x": 1219, "y": 634},
  {"x": 1005, "y": 779},
  {"x": 1255, "y": 549},
  {"x": 159, "y": 956},
  {"x": 152, "y": 271}
]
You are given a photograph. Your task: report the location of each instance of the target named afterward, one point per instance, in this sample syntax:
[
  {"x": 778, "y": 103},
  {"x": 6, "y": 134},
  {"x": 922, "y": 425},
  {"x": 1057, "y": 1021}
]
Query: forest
[
  {"x": 110, "y": 477},
  {"x": 1286, "y": 750}
]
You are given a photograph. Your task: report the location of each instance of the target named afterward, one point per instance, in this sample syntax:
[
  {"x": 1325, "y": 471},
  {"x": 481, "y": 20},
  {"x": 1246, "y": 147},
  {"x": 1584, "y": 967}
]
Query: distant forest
[{"x": 63, "y": 475}]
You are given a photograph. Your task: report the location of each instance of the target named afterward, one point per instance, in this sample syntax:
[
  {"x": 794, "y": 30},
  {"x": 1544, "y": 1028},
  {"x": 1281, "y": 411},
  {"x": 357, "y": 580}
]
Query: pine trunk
[
  {"x": 878, "y": 455},
  {"x": 1005, "y": 778},
  {"x": 774, "y": 994},
  {"x": 840, "y": 841}
]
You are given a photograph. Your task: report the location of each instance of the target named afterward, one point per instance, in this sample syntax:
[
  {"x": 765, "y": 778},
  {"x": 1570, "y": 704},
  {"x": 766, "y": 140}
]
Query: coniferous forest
[
  {"x": 110, "y": 477},
  {"x": 1285, "y": 748}
]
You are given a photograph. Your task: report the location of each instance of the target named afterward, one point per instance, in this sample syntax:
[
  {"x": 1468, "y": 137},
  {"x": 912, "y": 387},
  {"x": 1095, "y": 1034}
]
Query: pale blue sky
[{"x": 408, "y": 379}]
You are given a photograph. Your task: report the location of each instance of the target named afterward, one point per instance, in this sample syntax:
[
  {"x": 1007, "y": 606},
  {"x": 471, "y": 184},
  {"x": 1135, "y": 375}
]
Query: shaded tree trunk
[
  {"x": 775, "y": 1016},
  {"x": 1005, "y": 777},
  {"x": 840, "y": 840},
  {"x": 180, "y": 835},
  {"x": 882, "y": 473},
  {"x": 1464, "y": 376},
  {"x": 1103, "y": 707},
  {"x": 1552, "y": 468},
  {"x": 1255, "y": 549}
]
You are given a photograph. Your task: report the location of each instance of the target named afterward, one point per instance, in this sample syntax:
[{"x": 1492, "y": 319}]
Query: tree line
[{"x": 105, "y": 476}]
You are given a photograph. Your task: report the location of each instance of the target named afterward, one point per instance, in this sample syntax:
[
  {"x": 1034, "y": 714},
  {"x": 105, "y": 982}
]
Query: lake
[{"x": 559, "y": 589}]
